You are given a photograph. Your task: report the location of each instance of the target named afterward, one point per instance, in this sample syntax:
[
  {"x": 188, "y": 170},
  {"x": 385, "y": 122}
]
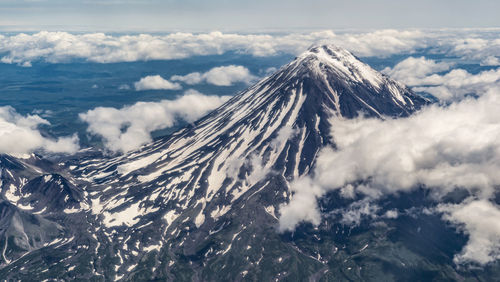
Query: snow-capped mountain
[
  {"x": 202, "y": 203},
  {"x": 274, "y": 128}
]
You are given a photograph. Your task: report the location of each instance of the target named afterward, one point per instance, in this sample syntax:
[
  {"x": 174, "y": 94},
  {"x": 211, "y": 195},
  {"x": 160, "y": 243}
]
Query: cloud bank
[
  {"x": 155, "y": 82},
  {"x": 440, "y": 148},
  {"x": 19, "y": 135},
  {"x": 412, "y": 70},
  {"x": 130, "y": 127},
  {"x": 56, "y": 47},
  {"x": 220, "y": 76},
  {"x": 427, "y": 76}
]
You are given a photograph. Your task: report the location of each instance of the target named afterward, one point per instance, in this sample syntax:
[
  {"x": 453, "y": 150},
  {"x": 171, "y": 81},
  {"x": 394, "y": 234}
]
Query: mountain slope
[
  {"x": 202, "y": 204},
  {"x": 277, "y": 126},
  {"x": 241, "y": 155}
]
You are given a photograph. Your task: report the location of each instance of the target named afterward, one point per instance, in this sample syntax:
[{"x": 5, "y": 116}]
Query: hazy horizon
[{"x": 257, "y": 16}]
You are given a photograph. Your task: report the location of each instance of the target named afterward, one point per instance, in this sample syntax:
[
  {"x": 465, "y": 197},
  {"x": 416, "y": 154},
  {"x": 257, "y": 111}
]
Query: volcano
[{"x": 202, "y": 204}]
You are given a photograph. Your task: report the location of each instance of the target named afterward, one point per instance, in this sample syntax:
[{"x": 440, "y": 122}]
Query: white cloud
[
  {"x": 458, "y": 83},
  {"x": 475, "y": 46},
  {"x": 440, "y": 148},
  {"x": 20, "y": 135},
  {"x": 155, "y": 82},
  {"x": 52, "y": 47},
  {"x": 191, "y": 78},
  {"x": 412, "y": 70},
  {"x": 490, "y": 61},
  {"x": 303, "y": 206},
  {"x": 220, "y": 76},
  {"x": 392, "y": 214},
  {"x": 385, "y": 42},
  {"x": 478, "y": 219},
  {"x": 130, "y": 127},
  {"x": 451, "y": 86}
]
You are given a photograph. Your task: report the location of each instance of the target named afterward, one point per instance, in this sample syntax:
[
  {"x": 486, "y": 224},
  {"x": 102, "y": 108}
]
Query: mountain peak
[
  {"x": 327, "y": 53},
  {"x": 342, "y": 62}
]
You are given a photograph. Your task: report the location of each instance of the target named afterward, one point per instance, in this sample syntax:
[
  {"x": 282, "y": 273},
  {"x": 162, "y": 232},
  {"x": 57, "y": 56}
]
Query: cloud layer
[
  {"x": 53, "y": 47},
  {"x": 433, "y": 77},
  {"x": 220, "y": 76},
  {"x": 441, "y": 148},
  {"x": 19, "y": 135},
  {"x": 130, "y": 127},
  {"x": 155, "y": 82}
]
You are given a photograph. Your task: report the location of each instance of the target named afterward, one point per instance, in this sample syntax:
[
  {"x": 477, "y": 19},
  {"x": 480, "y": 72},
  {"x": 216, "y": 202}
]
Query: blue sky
[{"x": 225, "y": 15}]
